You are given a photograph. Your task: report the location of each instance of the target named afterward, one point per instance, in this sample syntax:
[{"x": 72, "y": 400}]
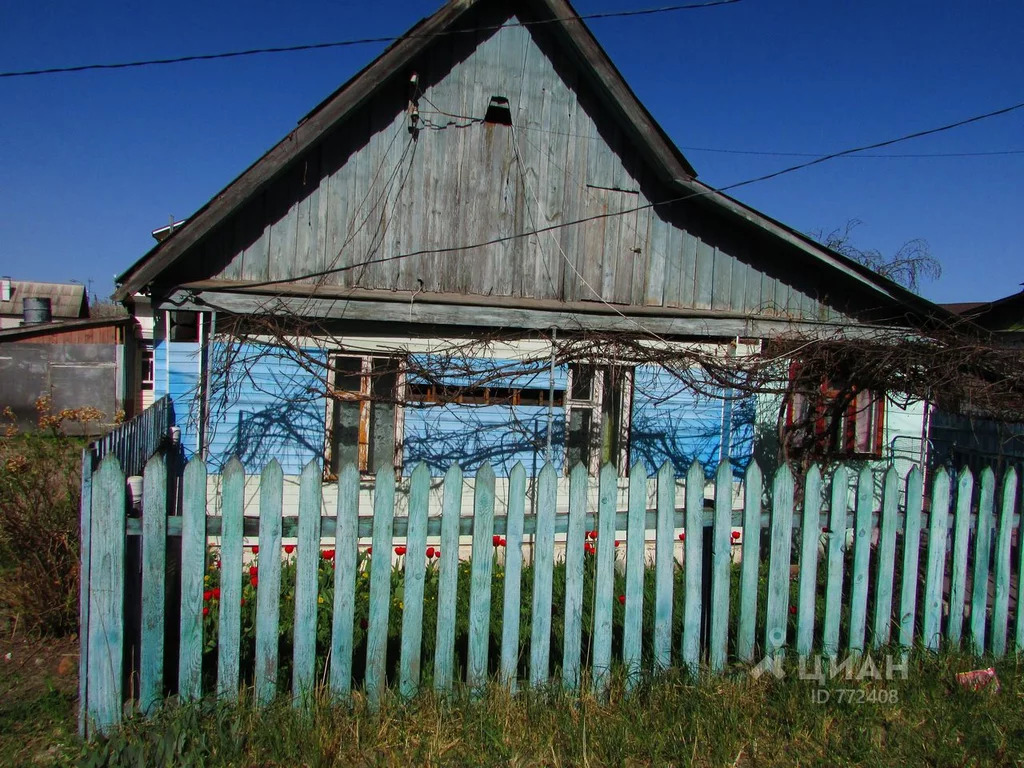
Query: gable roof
[
  {"x": 66, "y": 299},
  {"x": 612, "y": 90}
]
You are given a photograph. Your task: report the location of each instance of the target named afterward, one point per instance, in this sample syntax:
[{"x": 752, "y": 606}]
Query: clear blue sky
[{"x": 90, "y": 163}]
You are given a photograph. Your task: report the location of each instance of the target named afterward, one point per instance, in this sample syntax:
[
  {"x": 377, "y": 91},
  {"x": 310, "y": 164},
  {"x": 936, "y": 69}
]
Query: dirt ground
[{"x": 38, "y": 695}]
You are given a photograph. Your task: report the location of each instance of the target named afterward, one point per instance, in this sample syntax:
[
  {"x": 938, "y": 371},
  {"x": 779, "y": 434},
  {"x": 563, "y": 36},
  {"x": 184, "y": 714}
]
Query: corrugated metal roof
[{"x": 67, "y": 300}]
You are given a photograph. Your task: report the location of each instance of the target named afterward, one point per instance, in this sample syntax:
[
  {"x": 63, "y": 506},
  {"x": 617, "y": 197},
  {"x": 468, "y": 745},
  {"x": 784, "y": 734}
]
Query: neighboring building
[
  {"x": 974, "y": 438},
  {"x": 67, "y": 301},
  {"x": 505, "y": 187},
  {"x": 77, "y": 364}
]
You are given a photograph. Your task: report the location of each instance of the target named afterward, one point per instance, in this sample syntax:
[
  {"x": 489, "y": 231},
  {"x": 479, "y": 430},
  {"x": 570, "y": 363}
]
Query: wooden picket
[{"x": 883, "y": 569}]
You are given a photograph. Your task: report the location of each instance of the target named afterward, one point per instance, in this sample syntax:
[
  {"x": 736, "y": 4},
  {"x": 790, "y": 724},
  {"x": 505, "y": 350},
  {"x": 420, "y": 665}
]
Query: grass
[{"x": 730, "y": 720}]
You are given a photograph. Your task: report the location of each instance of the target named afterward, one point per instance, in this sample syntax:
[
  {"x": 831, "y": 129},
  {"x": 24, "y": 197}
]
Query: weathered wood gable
[{"x": 439, "y": 204}]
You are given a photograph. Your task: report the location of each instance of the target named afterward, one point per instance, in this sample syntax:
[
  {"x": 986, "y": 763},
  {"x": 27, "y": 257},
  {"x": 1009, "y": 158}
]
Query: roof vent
[
  {"x": 5, "y": 288},
  {"x": 498, "y": 111}
]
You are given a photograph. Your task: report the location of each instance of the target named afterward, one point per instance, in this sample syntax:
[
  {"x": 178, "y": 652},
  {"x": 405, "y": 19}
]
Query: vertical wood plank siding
[
  {"x": 468, "y": 649},
  {"x": 371, "y": 191}
]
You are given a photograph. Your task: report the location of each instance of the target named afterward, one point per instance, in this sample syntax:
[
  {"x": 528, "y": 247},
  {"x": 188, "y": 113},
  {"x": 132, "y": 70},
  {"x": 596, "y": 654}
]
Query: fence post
[
  {"x": 809, "y": 536},
  {"x": 982, "y": 553},
  {"x": 938, "y": 519},
  {"x": 958, "y": 575},
  {"x": 415, "y": 567},
  {"x": 85, "y": 523},
  {"x": 268, "y": 599},
  {"x": 604, "y": 595},
  {"x": 747, "y": 627},
  {"x": 693, "y": 563},
  {"x": 193, "y": 567},
  {"x": 154, "y": 573},
  {"x": 1001, "y": 604},
  {"x": 664, "y": 563},
  {"x": 513, "y": 576},
  {"x": 306, "y": 583},
  {"x": 861, "y": 560},
  {"x": 346, "y": 559},
  {"x": 636, "y": 542},
  {"x": 911, "y": 556},
  {"x": 106, "y": 596},
  {"x": 229, "y": 628},
  {"x": 836, "y": 545},
  {"x": 886, "y": 559},
  {"x": 380, "y": 588},
  {"x": 448, "y": 580},
  {"x": 721, "y": 561},
  {"x": 574, "y": 539},
  {"x": 480, "y": 580},
  {"x": 777, "y": 608}
]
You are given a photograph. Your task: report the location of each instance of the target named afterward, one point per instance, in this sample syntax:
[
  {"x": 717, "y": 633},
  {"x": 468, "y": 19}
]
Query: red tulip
[
  {"x": 369, "y": 550},
  {"x": 289, "y": 548},
  {"x": 242, "y": 602},
  {"x": 496, "y": 540},
  {"x": 254, "y": 581},
  {"x": 327, "y": 554},
  {"x": 206, "y": 611},
  {"x": 682, "y": 536},
  {"x": 792, "y": 609},
  {"x": 207, "y": 595},
  {"x": 617, "y": 542},
  {"x": 591, "y": 534},
  {"x": 622, "y": 599},
  {"x": 430, "y": 552},
  {"x": 825, "y": 529},
  {"x": 503, "y": 543},
  {"x": 437, "y": 552},
  {"x": 253, "y": 570},
  {"x": 399, "y": 551},
  {"x": 735, "y": 535},
  {"x": 255, "y": 549},
  {"x": 216, "y": 593}
]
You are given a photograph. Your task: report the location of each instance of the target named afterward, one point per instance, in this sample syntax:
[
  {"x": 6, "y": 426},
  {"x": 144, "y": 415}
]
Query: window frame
[
  {"x": 595, "y": 404},
  {"x": 839, "y": 440},
  {"x": 364, "y": 397}
]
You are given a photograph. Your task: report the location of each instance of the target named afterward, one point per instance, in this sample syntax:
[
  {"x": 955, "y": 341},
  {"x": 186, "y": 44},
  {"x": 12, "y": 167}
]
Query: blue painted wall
[
  {"x": 176, "y": 373},
  {"x": 672, "y": 423},
  {"x": 267, "y": 407},
  {"x": 473, "y": 435}
]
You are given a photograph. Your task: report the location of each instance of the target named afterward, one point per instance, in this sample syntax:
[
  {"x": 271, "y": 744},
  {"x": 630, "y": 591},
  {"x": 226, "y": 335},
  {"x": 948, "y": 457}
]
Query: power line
[
  {"x": 681, "y": 198},
  {"x": 997, "y": 153},
  {"x": 358, "y": 41}
]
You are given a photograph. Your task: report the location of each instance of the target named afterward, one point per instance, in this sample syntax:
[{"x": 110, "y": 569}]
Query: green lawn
[{"x": 926, "y": 719}]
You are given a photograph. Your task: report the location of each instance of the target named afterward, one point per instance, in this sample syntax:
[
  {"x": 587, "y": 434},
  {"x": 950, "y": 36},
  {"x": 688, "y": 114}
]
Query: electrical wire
[
  {"x": 357, "y": 41},
  {"x": 669, "y": 201}
]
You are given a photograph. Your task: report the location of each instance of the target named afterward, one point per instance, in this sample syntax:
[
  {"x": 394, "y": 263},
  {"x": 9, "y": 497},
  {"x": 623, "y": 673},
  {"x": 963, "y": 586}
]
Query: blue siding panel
[
  {"x": 183, "y": 386},
  {"x": 673, "y": 423},
  {"x": 499, "y": 435},
  {"x": 273, "y": 409},
  {"x": 473, "y": 435}
]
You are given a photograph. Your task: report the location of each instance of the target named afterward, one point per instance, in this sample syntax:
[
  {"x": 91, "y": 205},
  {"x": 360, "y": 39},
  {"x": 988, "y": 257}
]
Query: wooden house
[{"x": 490, "y": 185}]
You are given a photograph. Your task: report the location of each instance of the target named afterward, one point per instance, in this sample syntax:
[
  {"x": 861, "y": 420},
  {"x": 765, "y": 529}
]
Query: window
[
  {"x": 146, "y": 362},
  {"x": 597, "y": 415},
  {"x": 364, "y": 419},
  {"x": 834, "y": 419},
  {"x": 440, "y": 395}
]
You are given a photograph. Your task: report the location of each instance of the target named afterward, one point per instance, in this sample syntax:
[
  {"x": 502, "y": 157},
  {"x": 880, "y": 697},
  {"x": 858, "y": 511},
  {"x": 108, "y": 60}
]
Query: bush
[{"x": 40, "y": 487}]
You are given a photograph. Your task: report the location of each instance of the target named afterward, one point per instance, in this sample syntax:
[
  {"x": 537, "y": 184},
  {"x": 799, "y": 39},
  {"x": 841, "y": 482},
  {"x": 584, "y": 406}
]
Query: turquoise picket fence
[{"x": 802, "y": 564}]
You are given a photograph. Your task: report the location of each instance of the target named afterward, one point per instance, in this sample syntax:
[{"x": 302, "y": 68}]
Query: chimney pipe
[
  {"x": 5, "y": 288},
  {"x": 35, "y": 311}
]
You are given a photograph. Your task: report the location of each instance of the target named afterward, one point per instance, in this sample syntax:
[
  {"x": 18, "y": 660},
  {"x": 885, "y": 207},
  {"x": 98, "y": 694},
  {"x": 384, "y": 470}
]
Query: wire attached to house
[
  {"x": 357, "y": 41},
  {"x": 607, "y": 215}
]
